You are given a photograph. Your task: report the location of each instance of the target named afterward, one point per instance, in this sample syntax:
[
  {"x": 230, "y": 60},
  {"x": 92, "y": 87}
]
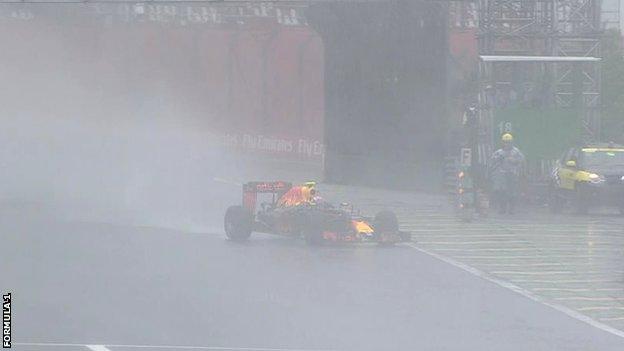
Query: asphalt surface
[
  {"x": 572, "y": 261},
  {"x": 576, "y": 262},
  {"x": 116, "y": 286}
]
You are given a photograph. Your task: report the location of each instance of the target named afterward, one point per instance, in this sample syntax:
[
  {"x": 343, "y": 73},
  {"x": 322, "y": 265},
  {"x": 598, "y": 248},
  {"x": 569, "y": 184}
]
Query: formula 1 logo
[{"x": 6, "y": 321}]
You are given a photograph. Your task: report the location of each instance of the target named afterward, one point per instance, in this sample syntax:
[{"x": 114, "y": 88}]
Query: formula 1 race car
[{"x": 316, "y": 221}]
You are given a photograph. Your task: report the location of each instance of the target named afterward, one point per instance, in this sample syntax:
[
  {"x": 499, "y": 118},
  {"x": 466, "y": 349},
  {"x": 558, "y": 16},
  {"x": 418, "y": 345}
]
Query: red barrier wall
[{"x": 258, "y": 86}]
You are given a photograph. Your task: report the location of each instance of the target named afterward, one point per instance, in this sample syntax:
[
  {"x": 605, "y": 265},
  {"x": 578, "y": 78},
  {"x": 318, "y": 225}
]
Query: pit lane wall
[{"x": 248, "y": 75}]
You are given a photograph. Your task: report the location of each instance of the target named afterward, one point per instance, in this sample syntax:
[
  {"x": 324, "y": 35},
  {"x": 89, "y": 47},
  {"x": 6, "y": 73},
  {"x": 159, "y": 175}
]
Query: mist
[
  {"x": 98, "y": 130},
  {"x": 127, "y": 132}
]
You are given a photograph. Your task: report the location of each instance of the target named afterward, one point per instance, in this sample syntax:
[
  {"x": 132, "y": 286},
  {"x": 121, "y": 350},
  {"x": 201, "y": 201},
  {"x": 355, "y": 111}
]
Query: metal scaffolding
[{"x": 549, "y": 29}]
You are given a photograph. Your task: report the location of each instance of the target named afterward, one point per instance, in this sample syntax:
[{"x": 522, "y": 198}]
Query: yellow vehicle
[{"x": 588, "y": 176}]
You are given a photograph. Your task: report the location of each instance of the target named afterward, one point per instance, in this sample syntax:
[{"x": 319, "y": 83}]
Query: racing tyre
[
  {"x": 238, "y": 223},
  {"x": 386, "y": 222},
  {"x": 313, "y": 237},
  {"x": 313, "y": 229}
]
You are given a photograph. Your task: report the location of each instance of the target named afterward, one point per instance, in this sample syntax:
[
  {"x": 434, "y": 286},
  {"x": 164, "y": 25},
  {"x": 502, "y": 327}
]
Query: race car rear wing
[{"x": 252, "y": 189}]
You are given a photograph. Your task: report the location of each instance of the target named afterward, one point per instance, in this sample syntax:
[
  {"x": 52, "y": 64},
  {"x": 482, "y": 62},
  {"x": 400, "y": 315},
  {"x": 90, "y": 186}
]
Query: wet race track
[{"x": 530, "y": 282}]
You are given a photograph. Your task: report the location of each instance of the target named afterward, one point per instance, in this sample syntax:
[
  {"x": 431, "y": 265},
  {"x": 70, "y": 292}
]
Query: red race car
[{"x": 299, "y": 212}]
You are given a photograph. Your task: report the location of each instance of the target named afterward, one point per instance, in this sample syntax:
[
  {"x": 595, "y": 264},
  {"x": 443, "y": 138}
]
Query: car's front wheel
[
  {"x": 313, "y": 229},
  {"x": 238, "y": 223},
  {"x": 386, "y": 222}
]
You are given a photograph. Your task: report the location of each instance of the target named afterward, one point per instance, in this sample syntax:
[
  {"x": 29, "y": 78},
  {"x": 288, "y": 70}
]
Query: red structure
[
  {"x": 252, "y": 75},
  {"x": 275, "y": 91}
]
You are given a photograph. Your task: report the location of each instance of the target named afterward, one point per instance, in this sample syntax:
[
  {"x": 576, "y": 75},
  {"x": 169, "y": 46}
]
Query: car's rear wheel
[
  {"x": 238, "y": 223},
  {"x": 313, "y": 237}
]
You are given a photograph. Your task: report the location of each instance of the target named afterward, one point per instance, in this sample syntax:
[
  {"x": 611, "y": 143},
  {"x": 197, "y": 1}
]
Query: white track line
[
  {"x": 524, "y": 257},
  {"x": 446, "y": 237},
  {"x": 449, "y": 230},
  {"x": 473, "y": 242},
  {"x": 526, "y": 293},
  {"x": 542, "y": 264},
  {"x": 52, "y": 344},
  {"x": 97, "y": 347},
  {"x": 533, "y": 273},
  {"x": 601, "y": 308},
  {"x": 581, "y": 298},
  {"x": 569, "y": 274},
  {"x": 578, "y": 290},
  {"x": 439, "y": 226},
  {"x": 489, "y": 249},
  {"x": 171, "y": 347},
  {"x": 572, "y": 250},
  {"x": 565, "y": 281}
]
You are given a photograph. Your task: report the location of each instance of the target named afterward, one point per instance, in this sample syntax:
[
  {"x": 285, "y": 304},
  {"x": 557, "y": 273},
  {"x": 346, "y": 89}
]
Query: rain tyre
[
  {"x": 238, "y": 223},
  {"x": 313, "y": 229},
  {"x": 386, "y": 222}
]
